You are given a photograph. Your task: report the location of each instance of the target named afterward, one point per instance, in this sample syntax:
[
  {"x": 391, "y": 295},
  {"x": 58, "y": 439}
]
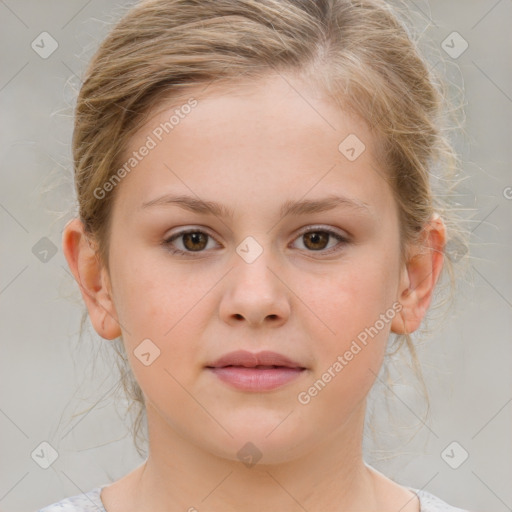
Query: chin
[{"x": 262, "y": 443}]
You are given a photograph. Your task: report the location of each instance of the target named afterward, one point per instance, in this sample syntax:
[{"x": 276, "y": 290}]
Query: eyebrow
[{"x": 289, "y": 207}]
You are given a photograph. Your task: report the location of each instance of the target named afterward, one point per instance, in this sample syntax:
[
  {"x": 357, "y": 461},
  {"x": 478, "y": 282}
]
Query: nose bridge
[
  {"x": 254, "y": 290},
  {"x": 255, "y": 260}
]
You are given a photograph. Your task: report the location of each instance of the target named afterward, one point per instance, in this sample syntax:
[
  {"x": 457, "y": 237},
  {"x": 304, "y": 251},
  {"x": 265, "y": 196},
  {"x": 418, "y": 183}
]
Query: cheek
[
  {"x": 352, "y": 297},
  {"x": 164, "y": 304},
  {"x": 353, "y": 310},
  {"x": 149, "y": 292}
]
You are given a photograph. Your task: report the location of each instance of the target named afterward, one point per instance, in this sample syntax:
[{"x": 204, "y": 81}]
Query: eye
[
  {"x": 193, "y": 240},
  {"x": 316, "y": 239},
  {"x": 196, "y": 241}
]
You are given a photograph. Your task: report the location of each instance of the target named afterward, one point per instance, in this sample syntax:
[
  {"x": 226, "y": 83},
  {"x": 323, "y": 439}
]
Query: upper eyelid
[
  {"x": 310, "y": 227},
  {"x": 184, "y": 231}
]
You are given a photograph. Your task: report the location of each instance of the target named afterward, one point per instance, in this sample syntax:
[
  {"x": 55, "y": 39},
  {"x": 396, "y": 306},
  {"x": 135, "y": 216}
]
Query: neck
[{"x": 179, "y": 475}]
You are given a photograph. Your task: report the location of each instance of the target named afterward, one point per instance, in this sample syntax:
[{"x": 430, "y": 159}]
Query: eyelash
[{"x": 167, "y": 242}]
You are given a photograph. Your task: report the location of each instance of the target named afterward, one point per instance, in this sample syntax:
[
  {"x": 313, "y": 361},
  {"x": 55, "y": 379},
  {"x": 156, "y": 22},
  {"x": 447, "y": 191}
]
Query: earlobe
[
  {"x": 419, "y": 277},
  {"x": 92, "y": 278}
]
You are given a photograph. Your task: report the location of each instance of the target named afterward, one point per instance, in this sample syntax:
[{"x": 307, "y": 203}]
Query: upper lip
[{"x": 252, "y": 359}]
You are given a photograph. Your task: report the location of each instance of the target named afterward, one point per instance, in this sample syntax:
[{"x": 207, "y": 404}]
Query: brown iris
[
  {"x": 195, "y": 239},
  {"x": 316, "y": 238}
]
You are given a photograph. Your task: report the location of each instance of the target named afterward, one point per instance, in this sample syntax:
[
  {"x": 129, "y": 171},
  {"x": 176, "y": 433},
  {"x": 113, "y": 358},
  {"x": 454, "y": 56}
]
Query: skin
[{"x": 252, "y": 149}]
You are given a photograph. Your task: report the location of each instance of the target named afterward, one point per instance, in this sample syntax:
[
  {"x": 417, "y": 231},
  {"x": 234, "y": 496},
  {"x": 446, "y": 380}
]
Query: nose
[{"x": 255, "y": 292}]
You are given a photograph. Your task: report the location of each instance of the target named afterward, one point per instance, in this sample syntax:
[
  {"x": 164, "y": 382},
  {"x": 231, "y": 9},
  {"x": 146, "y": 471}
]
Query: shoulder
[
  {"x": 431, "y": 503},
  {"x": 86, "y": 502}
]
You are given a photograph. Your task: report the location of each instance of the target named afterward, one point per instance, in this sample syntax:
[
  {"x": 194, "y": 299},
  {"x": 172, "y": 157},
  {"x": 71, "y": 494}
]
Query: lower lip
[{"x": 256, "y": 379}]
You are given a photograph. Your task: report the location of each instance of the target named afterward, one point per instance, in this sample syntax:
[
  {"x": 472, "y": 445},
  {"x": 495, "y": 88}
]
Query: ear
[
  {"x": 419, "y": 277},
  {"x": 92, "y": 278}
]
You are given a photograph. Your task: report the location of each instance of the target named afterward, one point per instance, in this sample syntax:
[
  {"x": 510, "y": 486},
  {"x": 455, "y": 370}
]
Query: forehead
[{"x": 243, "y": 142}]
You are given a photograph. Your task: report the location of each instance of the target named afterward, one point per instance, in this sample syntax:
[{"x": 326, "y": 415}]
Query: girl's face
[{"x": 252, "y": 278}]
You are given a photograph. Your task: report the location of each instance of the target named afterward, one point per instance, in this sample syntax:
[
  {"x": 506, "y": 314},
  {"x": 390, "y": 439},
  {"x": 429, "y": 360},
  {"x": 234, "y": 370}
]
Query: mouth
[{"x": 257, "y": 372}]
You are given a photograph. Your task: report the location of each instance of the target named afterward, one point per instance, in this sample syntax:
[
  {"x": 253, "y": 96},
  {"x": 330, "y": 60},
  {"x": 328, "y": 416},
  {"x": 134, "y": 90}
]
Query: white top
[{"x": 91, "y": 502}]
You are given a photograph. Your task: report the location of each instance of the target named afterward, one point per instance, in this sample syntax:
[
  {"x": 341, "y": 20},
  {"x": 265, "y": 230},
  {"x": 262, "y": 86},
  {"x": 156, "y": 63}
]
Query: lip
[
  {"x": 252, "y": 359},
  {"x": 240, "y": 369}
]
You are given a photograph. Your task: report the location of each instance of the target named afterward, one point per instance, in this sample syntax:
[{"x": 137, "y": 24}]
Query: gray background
[{"x": 47, "y": 376}]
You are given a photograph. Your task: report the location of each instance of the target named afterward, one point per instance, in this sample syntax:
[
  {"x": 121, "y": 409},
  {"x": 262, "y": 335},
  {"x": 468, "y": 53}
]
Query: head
[{"x": 255, "y": 106}]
